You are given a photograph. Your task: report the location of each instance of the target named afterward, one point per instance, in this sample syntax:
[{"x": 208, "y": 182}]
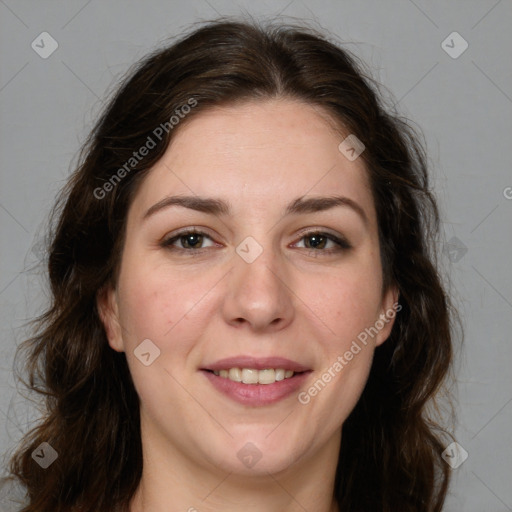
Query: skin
[{"x": 294, "y": 301}]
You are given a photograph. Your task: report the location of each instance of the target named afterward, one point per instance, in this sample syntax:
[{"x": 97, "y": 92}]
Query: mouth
[
  {"x": 256, "y": 382},
  {"x": 254, "y": 376}
]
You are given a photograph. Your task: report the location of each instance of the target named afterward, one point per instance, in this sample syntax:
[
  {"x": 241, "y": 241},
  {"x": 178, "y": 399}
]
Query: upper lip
[{"x": 256, "y": 363}]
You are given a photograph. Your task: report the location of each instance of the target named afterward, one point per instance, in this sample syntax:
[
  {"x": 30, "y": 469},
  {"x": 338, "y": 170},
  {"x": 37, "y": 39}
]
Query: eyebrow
[{"x": 218, "y": 207}]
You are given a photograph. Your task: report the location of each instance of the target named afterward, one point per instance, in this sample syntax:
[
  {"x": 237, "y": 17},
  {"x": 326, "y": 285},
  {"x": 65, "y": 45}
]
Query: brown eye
[
  {"x": 191, "y": 241},
  {"x": 324, "y": 242},
  {"x": 316, "y": 241},
  {"x": 188, "y": 240}
]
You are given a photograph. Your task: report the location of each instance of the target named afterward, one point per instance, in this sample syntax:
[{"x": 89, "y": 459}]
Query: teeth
[
  {"x": 252, "y": 376},
  {"x": 266, "y": 376},
  {"x": 235, "y": 374},
  {"x": 249, "y": 376}
]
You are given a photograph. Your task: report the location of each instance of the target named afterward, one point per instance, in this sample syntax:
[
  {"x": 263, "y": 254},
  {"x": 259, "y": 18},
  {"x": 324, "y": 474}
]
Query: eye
[
  {"x": 319, "y": 241},
  {"x": 315, "y": 242},
  {"x": 191, "y": 239}
]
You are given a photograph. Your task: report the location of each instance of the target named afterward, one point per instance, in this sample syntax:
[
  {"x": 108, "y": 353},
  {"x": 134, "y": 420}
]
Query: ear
[
  {"x": 106, "y": 302},
  {"x": 389, "y": 309}
]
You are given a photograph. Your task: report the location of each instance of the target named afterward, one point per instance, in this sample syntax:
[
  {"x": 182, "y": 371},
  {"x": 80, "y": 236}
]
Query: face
[{"x": 251, "y": 245}]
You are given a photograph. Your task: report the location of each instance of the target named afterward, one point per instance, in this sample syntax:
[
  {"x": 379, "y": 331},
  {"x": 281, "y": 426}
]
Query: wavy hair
[{"x": 390, "y": 456}]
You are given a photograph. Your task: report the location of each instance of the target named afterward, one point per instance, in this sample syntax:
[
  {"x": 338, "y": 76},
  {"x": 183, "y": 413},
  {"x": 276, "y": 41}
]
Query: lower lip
[{"x": 257, "y": 394}]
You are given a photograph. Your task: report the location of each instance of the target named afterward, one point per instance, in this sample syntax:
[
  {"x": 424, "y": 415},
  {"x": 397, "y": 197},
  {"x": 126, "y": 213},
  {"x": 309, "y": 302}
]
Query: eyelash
[{"x": 342, "y": 243}]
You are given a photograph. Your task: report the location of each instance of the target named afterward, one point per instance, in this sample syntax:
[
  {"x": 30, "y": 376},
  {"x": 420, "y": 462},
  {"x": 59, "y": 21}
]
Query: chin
[{"x": 257, "y": 453}]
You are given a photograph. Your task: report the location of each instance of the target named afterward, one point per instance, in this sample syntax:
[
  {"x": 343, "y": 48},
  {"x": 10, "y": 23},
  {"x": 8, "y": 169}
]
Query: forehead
[{"x": 258, "y": 155}]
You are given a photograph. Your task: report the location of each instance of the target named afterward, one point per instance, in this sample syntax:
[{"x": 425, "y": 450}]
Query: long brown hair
[{"x": 390, "y": 457}]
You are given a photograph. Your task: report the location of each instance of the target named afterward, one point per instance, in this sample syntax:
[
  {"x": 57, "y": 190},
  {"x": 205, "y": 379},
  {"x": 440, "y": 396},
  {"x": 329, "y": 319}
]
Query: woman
[{"x": 246, "y": 314}]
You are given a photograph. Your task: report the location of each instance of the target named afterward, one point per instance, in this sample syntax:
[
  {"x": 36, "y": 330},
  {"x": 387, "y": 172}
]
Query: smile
[{"x": 254, "y": 376}]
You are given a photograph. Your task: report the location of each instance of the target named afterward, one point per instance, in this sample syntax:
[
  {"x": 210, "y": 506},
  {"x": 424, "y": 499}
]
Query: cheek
[
  {"x": 153, "y": 308},
  {"x": 171, "y": 309},
  {"x": 348, "y": 303},
  {"x": 158, "y": 309},
  {"x": 344, "y": 382},
  {"x": 349, "y": 306},
  {"x": 155, "y": 301},
  {"x": 348, "y": 356}
]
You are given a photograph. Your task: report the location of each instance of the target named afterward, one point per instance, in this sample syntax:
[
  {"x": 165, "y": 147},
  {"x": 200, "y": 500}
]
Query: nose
[{"x": 259, "y": 295}]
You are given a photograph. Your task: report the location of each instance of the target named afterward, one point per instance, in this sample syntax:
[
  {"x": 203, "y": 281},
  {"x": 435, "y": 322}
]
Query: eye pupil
[
  {"x": 191, "y": 240},
  {"x": 316, "y": 241}
]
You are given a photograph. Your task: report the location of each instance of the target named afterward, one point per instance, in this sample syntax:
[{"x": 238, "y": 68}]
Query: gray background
[{"x": 463, "y": 106}]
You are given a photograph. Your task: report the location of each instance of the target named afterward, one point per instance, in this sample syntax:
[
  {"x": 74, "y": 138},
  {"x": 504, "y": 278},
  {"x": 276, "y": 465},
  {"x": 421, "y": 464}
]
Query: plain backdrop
[{"x": 461, "y": 101}]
